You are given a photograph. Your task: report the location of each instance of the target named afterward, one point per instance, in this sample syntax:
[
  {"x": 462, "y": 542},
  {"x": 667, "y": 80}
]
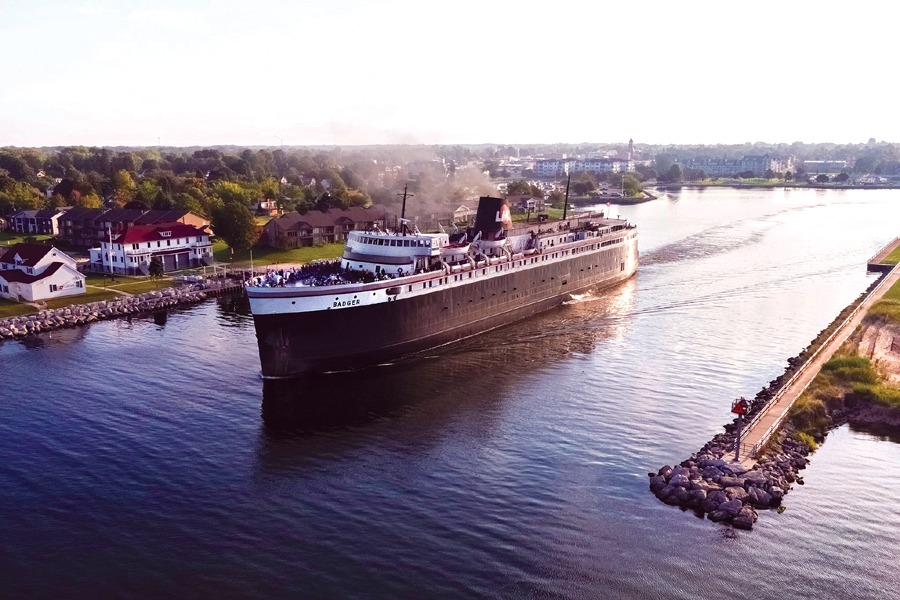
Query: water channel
[{"x": 146, "y": 458}]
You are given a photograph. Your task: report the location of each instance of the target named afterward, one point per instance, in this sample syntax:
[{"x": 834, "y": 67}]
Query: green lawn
[
  {"x": 8, "y": 238},
  {"x": 129, "y": 285},
  {"x": 273, "y": 256},
  {"x": 8, "y": 308}
]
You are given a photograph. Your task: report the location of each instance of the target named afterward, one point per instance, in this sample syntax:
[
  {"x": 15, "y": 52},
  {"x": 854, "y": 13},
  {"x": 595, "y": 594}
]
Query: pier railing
[
  {"x": 754, "y": 449},
  {"x": 882, "y": 249}
]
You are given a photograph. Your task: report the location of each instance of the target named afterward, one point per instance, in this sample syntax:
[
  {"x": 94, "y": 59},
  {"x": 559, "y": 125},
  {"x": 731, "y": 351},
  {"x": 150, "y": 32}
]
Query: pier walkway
[{"x": 758, "y": 430}]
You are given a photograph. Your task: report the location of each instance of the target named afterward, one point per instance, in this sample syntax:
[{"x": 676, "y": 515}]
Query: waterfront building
[
  {"x": 177, "y": 245},
  {"x": 561, "y": 167},
  {"x": 294, "y": 230},
  {"x": 31, "y": 272},
  {"x": 828, "y": 167},
  {"x": 729, "y": 167},
  {"x": 87, "y": 227}
]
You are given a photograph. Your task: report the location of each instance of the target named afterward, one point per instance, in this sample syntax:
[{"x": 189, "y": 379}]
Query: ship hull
[{"x": 294, "y": 343}]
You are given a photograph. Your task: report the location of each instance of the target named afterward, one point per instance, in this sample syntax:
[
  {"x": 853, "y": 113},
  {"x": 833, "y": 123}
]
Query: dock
[{"x": 766, "y": 422}]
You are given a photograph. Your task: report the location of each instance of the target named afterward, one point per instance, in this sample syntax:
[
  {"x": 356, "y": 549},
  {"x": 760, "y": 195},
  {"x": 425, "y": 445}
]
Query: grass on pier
[
  {"x": 893, "y": 258},
  {"x": 888, "y": 308}
]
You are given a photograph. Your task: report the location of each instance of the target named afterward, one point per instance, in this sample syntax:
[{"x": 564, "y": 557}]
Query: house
[
  {"x": 177, "y": 245},
  {"x": 293, "y": 230},
  {"x": 265, "y": 207},
  {"x": 526, "y": 202},
  {"x": 89, "y": 227},
  {"x": 38, "y": 222},
  {"x": 31, "y": 272}
]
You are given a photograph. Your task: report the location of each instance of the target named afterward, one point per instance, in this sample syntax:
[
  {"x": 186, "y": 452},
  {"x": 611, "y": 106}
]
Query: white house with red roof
[
  {"x": 30, "y": 272},
  {"x": 178, "y": 246}
]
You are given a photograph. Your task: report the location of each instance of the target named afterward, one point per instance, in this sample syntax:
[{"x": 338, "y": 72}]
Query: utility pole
[{"x": 566, "y": 203}]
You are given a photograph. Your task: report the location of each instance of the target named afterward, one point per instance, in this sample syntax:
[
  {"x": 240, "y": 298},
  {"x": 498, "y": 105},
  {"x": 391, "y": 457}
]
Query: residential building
[
  {"x": 37, "y": 222},
  {"x": 729, "y": 167},
  {"x": 526, "y": 202},
  {"x": 88, "y": 227},
  {"x": 561, "y": 167},
  {"x": 815, "y": 167},
  {"x": 177, "y": 245},
  {"x": 32, "y": 272},
  {"x": 294, "y": 229}
]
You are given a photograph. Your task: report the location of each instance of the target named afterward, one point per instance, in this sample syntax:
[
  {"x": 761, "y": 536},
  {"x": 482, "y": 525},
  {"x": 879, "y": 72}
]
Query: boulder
[
  {"x": 713, "y": 500},
  {"x": 679, "y": 480},
  {"x": 657, "y": 482},
  {"x": 734, "y": 469},
  {"x": 666, "y": 492},
  {"x": 665, "y": 471},
  {"x": 745, "y": 518},
  {"x": 727, "y": 482},
  {"x": 759, "y": 497},
  {"x": 736, "y": 493},
  {"x": 732, "y": 507},
  {"x": 718, "y": 516}
]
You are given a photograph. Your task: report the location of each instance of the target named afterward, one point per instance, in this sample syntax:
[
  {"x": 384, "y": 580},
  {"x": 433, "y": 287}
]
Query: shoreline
[
  {"x": 75, "y": 315},
  {"x": 732, "y": 493},
  {"x": 674, "y": 187}
]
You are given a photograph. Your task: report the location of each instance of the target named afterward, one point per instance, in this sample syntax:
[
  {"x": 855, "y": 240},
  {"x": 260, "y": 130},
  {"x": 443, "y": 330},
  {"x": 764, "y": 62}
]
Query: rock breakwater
[
  {"x": 728, "y": 492},
  {"x": 81, "y": 314}
]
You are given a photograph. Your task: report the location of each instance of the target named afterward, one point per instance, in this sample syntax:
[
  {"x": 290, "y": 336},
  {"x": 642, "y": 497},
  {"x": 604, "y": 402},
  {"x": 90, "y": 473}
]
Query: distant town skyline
[{"x": 272, "y": 73}]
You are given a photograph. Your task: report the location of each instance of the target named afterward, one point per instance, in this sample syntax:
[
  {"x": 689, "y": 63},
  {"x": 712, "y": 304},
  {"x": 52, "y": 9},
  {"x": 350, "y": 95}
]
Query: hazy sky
[{"x": 265, "y": 72}]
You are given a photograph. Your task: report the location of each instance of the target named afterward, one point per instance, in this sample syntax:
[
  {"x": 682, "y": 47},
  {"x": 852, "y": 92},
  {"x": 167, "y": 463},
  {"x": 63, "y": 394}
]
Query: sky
[{"x": 280, "y": 72}]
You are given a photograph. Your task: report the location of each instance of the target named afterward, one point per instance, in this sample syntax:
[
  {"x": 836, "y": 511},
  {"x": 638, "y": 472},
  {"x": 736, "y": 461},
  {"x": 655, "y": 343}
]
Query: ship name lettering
[{"x": 343, "y": 303}]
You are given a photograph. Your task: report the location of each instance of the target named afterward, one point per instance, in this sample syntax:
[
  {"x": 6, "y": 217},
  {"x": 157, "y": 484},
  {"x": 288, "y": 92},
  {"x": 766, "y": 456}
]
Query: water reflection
[{"x": 233, "y": 310}]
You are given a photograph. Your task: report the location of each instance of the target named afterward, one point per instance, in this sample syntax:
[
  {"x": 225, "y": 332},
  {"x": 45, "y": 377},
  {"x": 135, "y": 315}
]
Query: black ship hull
[{"x": 293, "y": 343}]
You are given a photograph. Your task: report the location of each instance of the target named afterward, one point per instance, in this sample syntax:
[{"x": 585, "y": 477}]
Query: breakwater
[
  {"x": 82, "y": 314},
  {"x": 727, "y": 491}
]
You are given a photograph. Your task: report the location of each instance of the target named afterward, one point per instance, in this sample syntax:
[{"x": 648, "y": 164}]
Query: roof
[
  {"x": 19, "y": 276},
  {"x": 161, "y": 216},
  {"x": 77, "y": 214},
  {"x": 329, "y": 218},
  {"x": 135, "y": 234},
  {"x": 30, "y": 254},
  {"x": 49, "y": 213}
]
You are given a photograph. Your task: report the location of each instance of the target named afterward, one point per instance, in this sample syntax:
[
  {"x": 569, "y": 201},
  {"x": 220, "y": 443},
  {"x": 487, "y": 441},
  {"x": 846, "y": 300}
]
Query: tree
[
  {"x": 557, "y": 199},
  {"x": 155, "y": 269},
  {"x": 841, "y": 177},
  {"x": 631, "y": 186},
  {"x": 788, "y": 176},
  {"x": 822, "y": 178},
  {"x": 234, "y": 223},
  {"x": 674, "y": 174}
]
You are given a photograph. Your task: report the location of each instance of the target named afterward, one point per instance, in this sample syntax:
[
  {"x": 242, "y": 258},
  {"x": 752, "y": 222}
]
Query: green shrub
[
  {"x": 809, "y": 415},
  {"x": 877, "y": 393},
  {"x": 851, "y": 369},
  {"x": 808, "y": 440}
]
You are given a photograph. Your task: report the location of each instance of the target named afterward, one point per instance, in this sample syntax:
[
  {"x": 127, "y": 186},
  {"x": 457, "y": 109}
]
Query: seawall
[{"x": 82, "y": 314}]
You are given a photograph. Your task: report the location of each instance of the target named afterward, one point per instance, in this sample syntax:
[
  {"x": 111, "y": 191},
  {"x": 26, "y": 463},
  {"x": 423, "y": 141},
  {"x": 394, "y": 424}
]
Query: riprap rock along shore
[
  {"x": 79, "y": 314},
  {"x": 726, "y": 491}
]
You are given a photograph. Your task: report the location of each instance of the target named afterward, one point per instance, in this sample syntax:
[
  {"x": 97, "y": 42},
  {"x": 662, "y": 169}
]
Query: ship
[{"x": 398, "y": 292}]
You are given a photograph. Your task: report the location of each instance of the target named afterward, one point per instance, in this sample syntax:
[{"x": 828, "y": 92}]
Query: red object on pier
[{"x": 739, "y": 407}]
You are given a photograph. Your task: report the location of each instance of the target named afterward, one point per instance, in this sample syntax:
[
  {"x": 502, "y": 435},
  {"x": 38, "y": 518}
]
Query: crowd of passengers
[{"x": 318, "y": 274}]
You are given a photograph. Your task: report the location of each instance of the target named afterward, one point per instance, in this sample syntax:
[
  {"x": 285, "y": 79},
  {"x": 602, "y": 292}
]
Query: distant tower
[{"x": 630, "y": 149}]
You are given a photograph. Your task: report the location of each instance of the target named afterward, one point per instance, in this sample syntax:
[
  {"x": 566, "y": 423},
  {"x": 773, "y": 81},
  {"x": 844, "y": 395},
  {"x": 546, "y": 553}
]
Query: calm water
[{"x": 147, "y": 459}]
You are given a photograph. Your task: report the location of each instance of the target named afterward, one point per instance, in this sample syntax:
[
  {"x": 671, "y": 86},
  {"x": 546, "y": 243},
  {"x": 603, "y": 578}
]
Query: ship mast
[
  {"x": 403, "y": 228},
  {"x": 566, "y": 203}
]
